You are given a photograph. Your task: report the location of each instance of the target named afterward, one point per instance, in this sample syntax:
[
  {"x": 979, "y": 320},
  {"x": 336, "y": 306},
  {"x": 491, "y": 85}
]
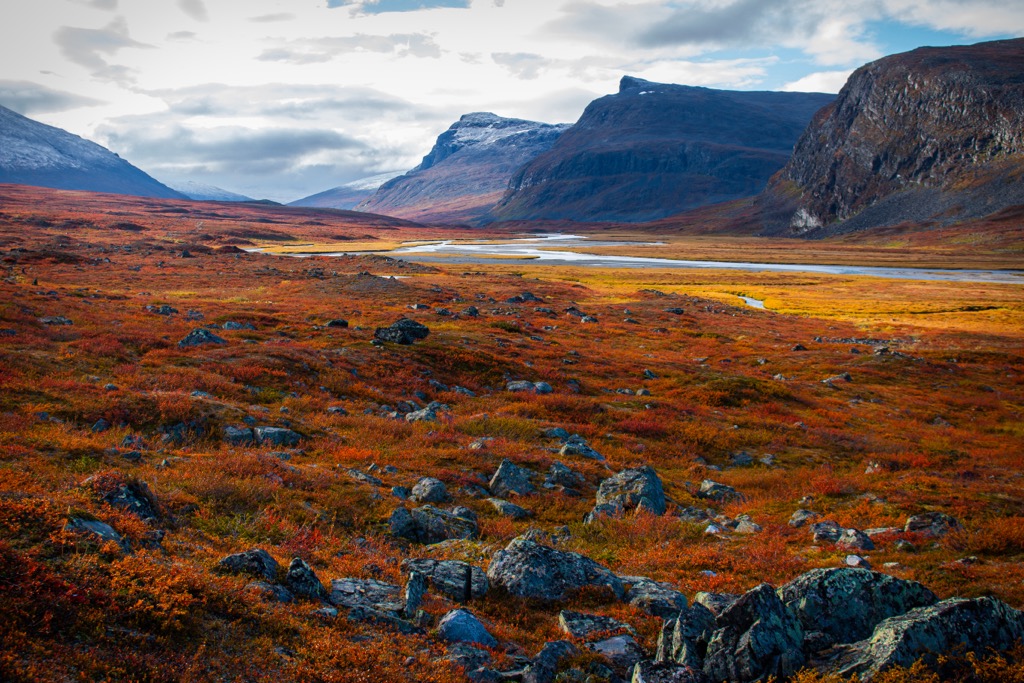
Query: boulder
[
  {"x": 613, "y": 510},
  {"x": 623, "y": 651},
  {"x": 720, "y": 493},
  {"x": 429, "y": 524},
  {"x": 270, "y": 592},
  {"x": 852, "y": 539},
  {"x": 755, "y": 638},
  {"x": 826, "y": 532},
  {"x": 560, "y": 474},
  {"x": 430, "y": 490},
  {"x": 634, "y": 489},
  {"x": 453, "y": 579},
  {"x": 684, "y": 639},
  {"x": 199, "y": 337},
  {"x": 368, "y": 593},
  {"x": 577, "y": 445},
  {"x": 977, "y": 625},
  {"x": 583, "y": 626},
  {"x": 662, "y": 672},
  {"x": 511, "y": 479},
  {"x": 932, "y": 524},
  {"x": 256, "y": 562},
  {"x": 238, "y": 436},
  {"x": 101, "y": 531},
  {"x": 544, "y": 666},
  {"x": 460, "y": 626},
  {"x": 655, "y": 598},
  {"x": 846, "y": 604},
  {"x": 133, "y": 497},
  {"x": 303, "y": 582},
  {"x": 530, "y": 570},
  {"x": 277, "y": 436},
  {"x": 415, "y": 589},
  {"x": 507, "y": 509},
  {"x": 403, "y": 331},
  {"x": 801, "y": 517},
  {"x": 520, "y": 385},
  {"x": 716, "y": 603}
]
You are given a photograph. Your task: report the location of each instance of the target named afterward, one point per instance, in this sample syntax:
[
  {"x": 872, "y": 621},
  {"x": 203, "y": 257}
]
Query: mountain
[
  {"x": 653, "y": 150},
  {"x": 467, "y": 171},
  {"x": 32, "y": 153},
  {"x": 346, "y": 196},
  {"x": 208, "y": 193},
  {"x": 931, "y": 136}
]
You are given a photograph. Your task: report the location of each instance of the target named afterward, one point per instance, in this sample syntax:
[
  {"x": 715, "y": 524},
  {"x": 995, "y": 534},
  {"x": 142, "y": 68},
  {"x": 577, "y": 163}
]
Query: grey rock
[
  {"x": 388, "y": 619},
  {"x": 101, "y": 531},
  {"x": 430, "y": 490},
  {"x": 55, "y": 320},
  {"x": 277, "y": 436},
  {"x": 256, "y": 562},
  {"x": 720, "y": 493},
  {"x": 634, "y": 489},
  {"x": 368, "y": 593},
  {"x": 852, "y": 539},
  {"x": 716, "y": 603},
  {"x": 453, "y": 579},
  {"x": 605, "y": 510},
  {"x": 756, "y": 637},
  {"x": 663, "y": 672},
  {"x": 577, "y": 445},
  {"x": 429, "y": 524},
  {"x": 467, "y": 656},
  {"x": 404, "y": 331},
  {"x": 583, "y": 626},
  {"x": 656, "y": 598},
  {"x": 337, "y": 323},
  {"x": 507, "y": 509},
  {"x": 427, "y": 414},
  {"x": 303, "y": 582},
  {"x": 826, "y": 532},
  {"x": 847, "y": 603},
  {"x": 363, "y": 477},
  {"x": 684, "y": 639},
  {"x": 134, "y": 497},
  {"x": 415, "y": 589},
  {"x": 932, "y": 524},
  {"x": 542, "y": 388},
  {"x": 562, "y": 475},
  {"x": 556, "y": 433},
  {"x": 238, "y": 436},
  {"x": 801, "y": 517},
  {"x": 623, "y": 651},
  {"x": 694, "y": 515},
  {"x": 337, "y": 410},
  {"x": 200, "y": 337},
  {"x": 403, "y": 525},
  {"x": 857, "y": 562},
  {"x": 977, "y": 625},
  {"x": 233, "y": 325},
  {"x": 460, "y": 626},
  {"x": 520, "y": 385},
  {"x": 270, "y": 592},
  {"x": 544, "y": 666},
  {"x": 530, "y": 570},
  {"x": 511, "y": 479}
]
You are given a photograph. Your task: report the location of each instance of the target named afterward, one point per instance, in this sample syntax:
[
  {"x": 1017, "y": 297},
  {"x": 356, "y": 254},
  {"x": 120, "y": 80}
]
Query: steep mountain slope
[
  {"x": 653, "y": 150},
  {"x": 347, "y": 196},
  {"x": 467, "y": 171},
  {"x": 935, "y": 135},
  {"x": 206, "y": 192},
  {"x": 32, "y": 153}
]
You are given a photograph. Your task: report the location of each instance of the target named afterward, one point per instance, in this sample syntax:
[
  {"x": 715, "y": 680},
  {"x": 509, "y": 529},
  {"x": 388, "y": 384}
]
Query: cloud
[
  {"x": 195, "y": 9},
  {"x": 32, "y": 98},
  {"x": 319, "y": 50},
  {"x": 109, "y": 5},
  {"x": 182, "y": 36},
  {"x": 382, "y": 6},
  {"x": 521, "y": 64},
  {"x": 272, "y": 18},
  {"x": 84, "y": 46},
  {"x": 821, "y": 81}
]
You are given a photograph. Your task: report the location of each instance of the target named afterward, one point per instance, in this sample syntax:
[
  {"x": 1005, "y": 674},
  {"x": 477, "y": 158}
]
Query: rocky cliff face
[
  {"x": 653, "y": 150},
  {"x": 936, "y": 134},
  {"x": 467, "y": 171},
  {"x": 32, "y": 153}
]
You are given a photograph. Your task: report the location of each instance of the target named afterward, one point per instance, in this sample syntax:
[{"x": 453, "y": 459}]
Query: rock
[
  {"x": 232, "y": 325},
  {"x": 277, "y": 436},
  {"x": 852, "y": 539},
  {"x": 662, "y": 672},
  {"x": 404, "y": 331},
  {"x": 542, "y": 388},
  {"x": 256, "y": 562},
  {"x": 857, "y": 562},
  {"x": 427, "y": 414},
  {"x": 468, "y": 657},
  {"x": 716, "y": 603},
  {"x": 623, "y": 651},
  {"x": 684, "y": 639},
  {"x": 720, "y": 493},
  {"x": 577, "y": 445},
  {"x": 134, "y": 497},
  {"x": 302, "y": 581},
  {"x": 656, "y": 598},
  {"x": 510, "y": 479},
  {"x": 101, "y": 425},
  {"x": 199, "y": 337},
  {"x": 429, "y": 525},
  {"x": 55, "y": 320},
  {"x": 556, "y": 433},
  {"x": 453, "y": 579},
  {"x": 583, "y": 626},
  {"x": 544, "y": 666},
  {"x": 634, "y": 489},
  {"x": 826, "y": 532},
  {"x": 520, "y": 385},
  {"x": 561, "y": 475},
  {"x": 337, "y": 410},
  {"x": 363, "y": 477},
  {"x": 529, "y": 570},
  {"x": 430, "y": 490},
  {"x": 507, "y": 509},
  {"x": 612, "y": 510},
  {"x": 386, "y": 619},
  {"x": 337, "y": 323},
  {"x": 978, "y": 625},
  {"x": 694, "y": 515},
  {"x": 904, "y": 545},
  {"x": 745, "y": 525},
  {"x": 415, "y": 589},
  {"x": 932, "y": 524},
  {"x": 238, "y": 436},
  {"x": 270, "y": 592},
  {"x": 367, "y": 593},
  {"x": 756, "y": 637},
  {"x": 801, "y": 517},
  {"x": 460, "y": 626},
  {"x": 847, "y": 603},
  {"x": 101, "y": 531}
]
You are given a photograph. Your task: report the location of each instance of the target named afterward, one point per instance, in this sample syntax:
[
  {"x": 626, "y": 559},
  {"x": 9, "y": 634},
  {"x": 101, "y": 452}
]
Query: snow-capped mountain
[
  {"x": 206, "y": 192},
  {"x": 467, "y": 171},
  {"x": 348, "y": 195},
  {"x": 32, "y": 153}
]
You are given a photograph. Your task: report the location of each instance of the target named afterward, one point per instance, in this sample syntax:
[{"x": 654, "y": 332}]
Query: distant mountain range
[
  {"x": 467, "y": 172},
  {"x": 32, "y": 153},
  {"x": 205, "y": 192},
  {"x": 931, "y": 136},
  {"x": 346, "y": 196}
]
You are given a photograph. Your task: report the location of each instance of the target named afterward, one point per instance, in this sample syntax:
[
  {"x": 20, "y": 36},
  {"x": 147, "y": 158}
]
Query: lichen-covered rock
[
  {"x": 932, "y": 524},
  {"x": 238, "y": 436},
  {"x": 199, "y": 337},
  {"x": 853, "y": 539},
  {"x": 577, "y": 445},
  {"x": 561, "y": 474},
  {"x": 507, "y": 509},
  {"x": 511, "y": 479},
  {"x": 460, "y": 626},
  {"x": 684, "y": 640},
  {"x": 430, "y": 490},
  {"x": 846, "y": 603},
  {"x": 583, "y": 626},
  {"x": 454, "y": 579},
  {"x": 256, "y": 562},
  {"x": 826, "y": 532},
  {"x": 134, "y": 497},
  {"x": 277, "y": 436},
  {"x": 801, "y": 517},
  {"x": 975, "y": 625},
  {"x": 632, "y": 489},
  {"x": 544, "y": 666},
  {"x": 656, "y": 598},
  {"x": 720, "y": 493},
  {"x": 369, "y": 593},
  {"x": 664, "y": 672},
  {"x": 101, "y": 531},
  {"x": 757, "y": 637},
  {"x": 622, "y": 651},
  {"x": 429, "y": 524},
  {"x": 530, "y": 570},
  {"x": 302, "y": 581},
  {"x": 404, "y": 331},
  {"x": 715, "y": 602}
]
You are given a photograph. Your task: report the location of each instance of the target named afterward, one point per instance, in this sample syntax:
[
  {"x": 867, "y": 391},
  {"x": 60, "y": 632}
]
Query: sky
[{"x": 281, "y": 99}]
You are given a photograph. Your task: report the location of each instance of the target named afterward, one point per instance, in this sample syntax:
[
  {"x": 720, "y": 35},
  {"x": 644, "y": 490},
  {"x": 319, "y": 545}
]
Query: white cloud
[{"x": 820, "y": 81}]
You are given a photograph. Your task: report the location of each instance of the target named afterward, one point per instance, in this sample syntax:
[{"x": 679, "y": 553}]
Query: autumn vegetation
[{"x": 934, "y": 424}]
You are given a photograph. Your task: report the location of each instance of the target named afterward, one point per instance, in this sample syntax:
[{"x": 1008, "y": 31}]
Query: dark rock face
[
  {"x": 461, "y": 626},
  {"x": 32, "y": 153},
  {"x": 543, "y": 667},
  {"x": 931, "y": 134},
  {"x": 366, "y": 593},
  {"x": 654, "y": 150},
  {"x": 530, "y": 570},
  {"x": 467, "y": 171},
  {"x": 634, "y": 489},
  {"x": 656, "y": 598},
  {"x": 454, "y": 579},
  {"x": 199, "y": 337},
  {"x": 511, "y": 479},
  {"x": 845, "y": 604},
  {"x": 303, "y": 581},
  {"x": 429, "y": 524},
  {"x": 976, "y": 625},
  {"x": 430, "y": 490},
  {"x": 256, "y": 562},
  {"x": 404, "y": 332}
]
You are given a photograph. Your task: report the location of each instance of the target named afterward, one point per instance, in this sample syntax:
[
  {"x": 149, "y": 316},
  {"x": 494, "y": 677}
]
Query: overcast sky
[{"x": 285, "y": 98}]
